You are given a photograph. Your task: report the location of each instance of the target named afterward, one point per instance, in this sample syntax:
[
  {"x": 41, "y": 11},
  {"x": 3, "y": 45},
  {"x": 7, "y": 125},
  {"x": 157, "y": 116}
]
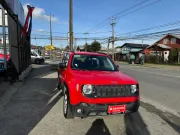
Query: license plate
[{"x": 117, "y": 109}]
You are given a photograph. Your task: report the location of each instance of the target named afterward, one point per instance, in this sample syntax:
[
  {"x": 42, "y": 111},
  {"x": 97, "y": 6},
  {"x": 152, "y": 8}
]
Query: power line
[
  {"x": 151, "y": 28},
  {"x": 67, "y": 32},
  {"x": 140, "y": 8},
  {"x": 100, "y": 24},
  {"x": 150, "y": 35},
  {"x": 128, "y": 9}
]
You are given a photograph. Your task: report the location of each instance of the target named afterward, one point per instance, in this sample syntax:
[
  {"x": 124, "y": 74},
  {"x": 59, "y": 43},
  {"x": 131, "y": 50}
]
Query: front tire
[
  {"x": 37, "y": 61},
  {"x": 58, "y": 85},
  {"x": 67, "y": 110}
]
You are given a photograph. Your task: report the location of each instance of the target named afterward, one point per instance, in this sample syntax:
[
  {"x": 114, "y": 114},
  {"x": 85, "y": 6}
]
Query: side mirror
[
  {"x": 62, "y": 65},
  {"x": 117, "y": 66}
]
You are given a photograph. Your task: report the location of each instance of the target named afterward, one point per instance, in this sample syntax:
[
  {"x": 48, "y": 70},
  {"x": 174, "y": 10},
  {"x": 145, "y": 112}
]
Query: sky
[{"x": 89, "y": 13}]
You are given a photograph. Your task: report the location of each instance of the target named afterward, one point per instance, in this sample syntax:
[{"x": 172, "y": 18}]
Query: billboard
[
  {"x": 16, "y": 7},
  {"x": 6, "y": 22},
  {"x": 49, "y": 47}
]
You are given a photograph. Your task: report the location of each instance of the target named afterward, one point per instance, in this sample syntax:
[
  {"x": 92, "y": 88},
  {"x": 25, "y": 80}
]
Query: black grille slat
[{"x": 112, "y": 91}]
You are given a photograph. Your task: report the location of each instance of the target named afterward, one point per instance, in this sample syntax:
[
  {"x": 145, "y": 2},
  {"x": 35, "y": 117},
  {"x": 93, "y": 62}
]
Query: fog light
[{"x": 79, "y": 111}]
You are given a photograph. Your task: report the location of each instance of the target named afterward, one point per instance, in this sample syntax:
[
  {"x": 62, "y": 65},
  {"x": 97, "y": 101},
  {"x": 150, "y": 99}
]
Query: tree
[
  {"x": 95, "y": 46},
  {"x": 117, "y": 47},
  {"x": 88, "y": 48},
  {"x": 67, "y": 48},
  {"x": 78, "y": 49}
]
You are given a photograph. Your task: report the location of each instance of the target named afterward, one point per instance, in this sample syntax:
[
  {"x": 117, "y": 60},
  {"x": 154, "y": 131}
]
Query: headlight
[
  {"x": 134, "y": 89},
  {"x": 87, "y": 89}
]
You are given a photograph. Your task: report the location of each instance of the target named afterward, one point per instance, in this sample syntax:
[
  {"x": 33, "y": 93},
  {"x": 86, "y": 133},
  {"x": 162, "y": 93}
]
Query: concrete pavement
[
  {"x": 36, "y": 109},
  {"x": 158, "y": 86}
]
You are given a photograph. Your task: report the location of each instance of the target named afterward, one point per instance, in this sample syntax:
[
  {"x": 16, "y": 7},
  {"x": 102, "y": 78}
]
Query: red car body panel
[
  {"x": 75, "y": 79},
  {"x": 2, "y": 56}
]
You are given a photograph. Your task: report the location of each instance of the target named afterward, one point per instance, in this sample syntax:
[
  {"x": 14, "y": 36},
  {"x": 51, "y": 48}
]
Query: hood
[{"x": 101, "y": 77}]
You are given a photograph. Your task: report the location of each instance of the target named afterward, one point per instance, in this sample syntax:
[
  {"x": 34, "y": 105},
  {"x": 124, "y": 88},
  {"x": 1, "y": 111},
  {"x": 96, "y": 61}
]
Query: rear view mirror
[{"x": 62, "y": 65}]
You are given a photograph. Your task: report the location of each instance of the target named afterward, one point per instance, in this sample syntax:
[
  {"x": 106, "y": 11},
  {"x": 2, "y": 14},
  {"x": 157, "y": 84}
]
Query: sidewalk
[{"x": 168, "y": 67}]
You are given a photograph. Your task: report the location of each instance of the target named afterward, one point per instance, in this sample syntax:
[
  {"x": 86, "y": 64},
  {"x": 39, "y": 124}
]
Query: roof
[
  {"x": 132, "y": 45},
  {"x": 164, "y": 46},
  {"x": 88, "y": 53},
  {"x": 170, "y": 45}
]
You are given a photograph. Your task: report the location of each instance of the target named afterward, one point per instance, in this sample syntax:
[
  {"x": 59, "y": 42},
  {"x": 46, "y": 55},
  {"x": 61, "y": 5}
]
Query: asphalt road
[
  {"x": 36, "y": 109},
  {"x": 159, "y": 86}
]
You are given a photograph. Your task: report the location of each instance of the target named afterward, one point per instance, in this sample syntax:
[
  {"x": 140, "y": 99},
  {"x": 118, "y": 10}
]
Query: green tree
[
  {"x": 117, "y": 47},
  {"x": 95, "y": 46},
  {"x": 66, "y": 48},
  {"x": 88, "y": 48},
  {"x": 78, "y": 48}
]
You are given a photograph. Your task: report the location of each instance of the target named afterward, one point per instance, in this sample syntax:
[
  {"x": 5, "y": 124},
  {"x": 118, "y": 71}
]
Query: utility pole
[
  {"x": 85, "y": 41},
  {"x": 71, "y": 24},
  {"x": 36, "y": 40},
  {"x": 4, "y": 37},
  {"x": 108, "y": 45},
  {"x": 51, "y": 29},
  {"x": 113, "y": 24},
  {"x": 75, "y": 47}
]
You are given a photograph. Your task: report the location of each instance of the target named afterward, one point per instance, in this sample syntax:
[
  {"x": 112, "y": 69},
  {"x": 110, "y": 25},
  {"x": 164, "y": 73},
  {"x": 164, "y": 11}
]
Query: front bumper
[{"x": 88, "y": 110}]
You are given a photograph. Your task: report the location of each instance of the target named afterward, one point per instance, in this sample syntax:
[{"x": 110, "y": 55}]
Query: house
[
  {"x": 164, "y": 46},
  {"x": 81, "y": 48},
  {"x": 128, "y": 48}
]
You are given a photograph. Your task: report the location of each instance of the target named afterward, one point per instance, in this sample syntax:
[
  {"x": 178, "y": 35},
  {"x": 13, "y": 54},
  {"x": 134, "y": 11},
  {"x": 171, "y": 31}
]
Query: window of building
[
  {"x": 154, "y": 53},
  {"x": 165, "y": 41},
  {"x": 173, "y": 40}
]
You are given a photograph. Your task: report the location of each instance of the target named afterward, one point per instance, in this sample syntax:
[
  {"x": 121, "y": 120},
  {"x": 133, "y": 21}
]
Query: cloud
[
  {"x": 41, "y": 30},
  {"x": 39, "y": 14}
]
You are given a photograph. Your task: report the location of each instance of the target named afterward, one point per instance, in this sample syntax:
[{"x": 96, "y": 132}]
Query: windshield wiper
[{"x": 80, "y": 69}]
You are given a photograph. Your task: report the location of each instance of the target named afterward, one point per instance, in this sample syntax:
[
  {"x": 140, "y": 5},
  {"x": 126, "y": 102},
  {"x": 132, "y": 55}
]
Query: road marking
[{"x": 152, "y": 72}]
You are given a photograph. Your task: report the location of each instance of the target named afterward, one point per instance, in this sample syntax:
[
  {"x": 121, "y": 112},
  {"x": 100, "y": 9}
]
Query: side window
[
  {"x": 66, "y": 58},
  {"x": 108, "y": 64},
  {"x": 63, "y": 60},
  {"x": 33, "y": 54}
]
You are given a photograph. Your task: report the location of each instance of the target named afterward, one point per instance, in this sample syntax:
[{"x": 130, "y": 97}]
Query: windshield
[{"x": 92, "y": 62}]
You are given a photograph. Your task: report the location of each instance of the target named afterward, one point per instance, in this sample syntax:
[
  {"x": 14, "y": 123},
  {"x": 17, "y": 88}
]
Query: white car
[{"x": 36, "y": 58}]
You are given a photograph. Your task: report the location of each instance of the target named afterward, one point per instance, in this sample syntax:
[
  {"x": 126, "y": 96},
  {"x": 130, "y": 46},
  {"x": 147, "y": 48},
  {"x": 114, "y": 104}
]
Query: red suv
[{"x": 93, "y": 85}]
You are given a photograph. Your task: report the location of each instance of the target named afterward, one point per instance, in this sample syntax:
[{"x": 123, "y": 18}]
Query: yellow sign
[{"x": 49, "y": 47}]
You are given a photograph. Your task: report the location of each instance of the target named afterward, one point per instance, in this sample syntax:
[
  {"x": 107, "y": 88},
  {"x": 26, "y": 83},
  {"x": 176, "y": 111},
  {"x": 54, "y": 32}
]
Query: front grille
[{"x": 102, "y": 91}]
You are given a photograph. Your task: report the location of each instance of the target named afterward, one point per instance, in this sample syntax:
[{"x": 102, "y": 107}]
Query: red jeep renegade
[{"x": 93, "y": 85}]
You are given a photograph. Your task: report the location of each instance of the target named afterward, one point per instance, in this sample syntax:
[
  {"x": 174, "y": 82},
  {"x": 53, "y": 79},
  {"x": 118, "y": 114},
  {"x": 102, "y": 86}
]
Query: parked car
[
  {"x": 2, "y": 59},
  {"x": 46, "y": 55},
  {"x": 92, "y": 85},
  {"x": 36, "y": 58}
]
